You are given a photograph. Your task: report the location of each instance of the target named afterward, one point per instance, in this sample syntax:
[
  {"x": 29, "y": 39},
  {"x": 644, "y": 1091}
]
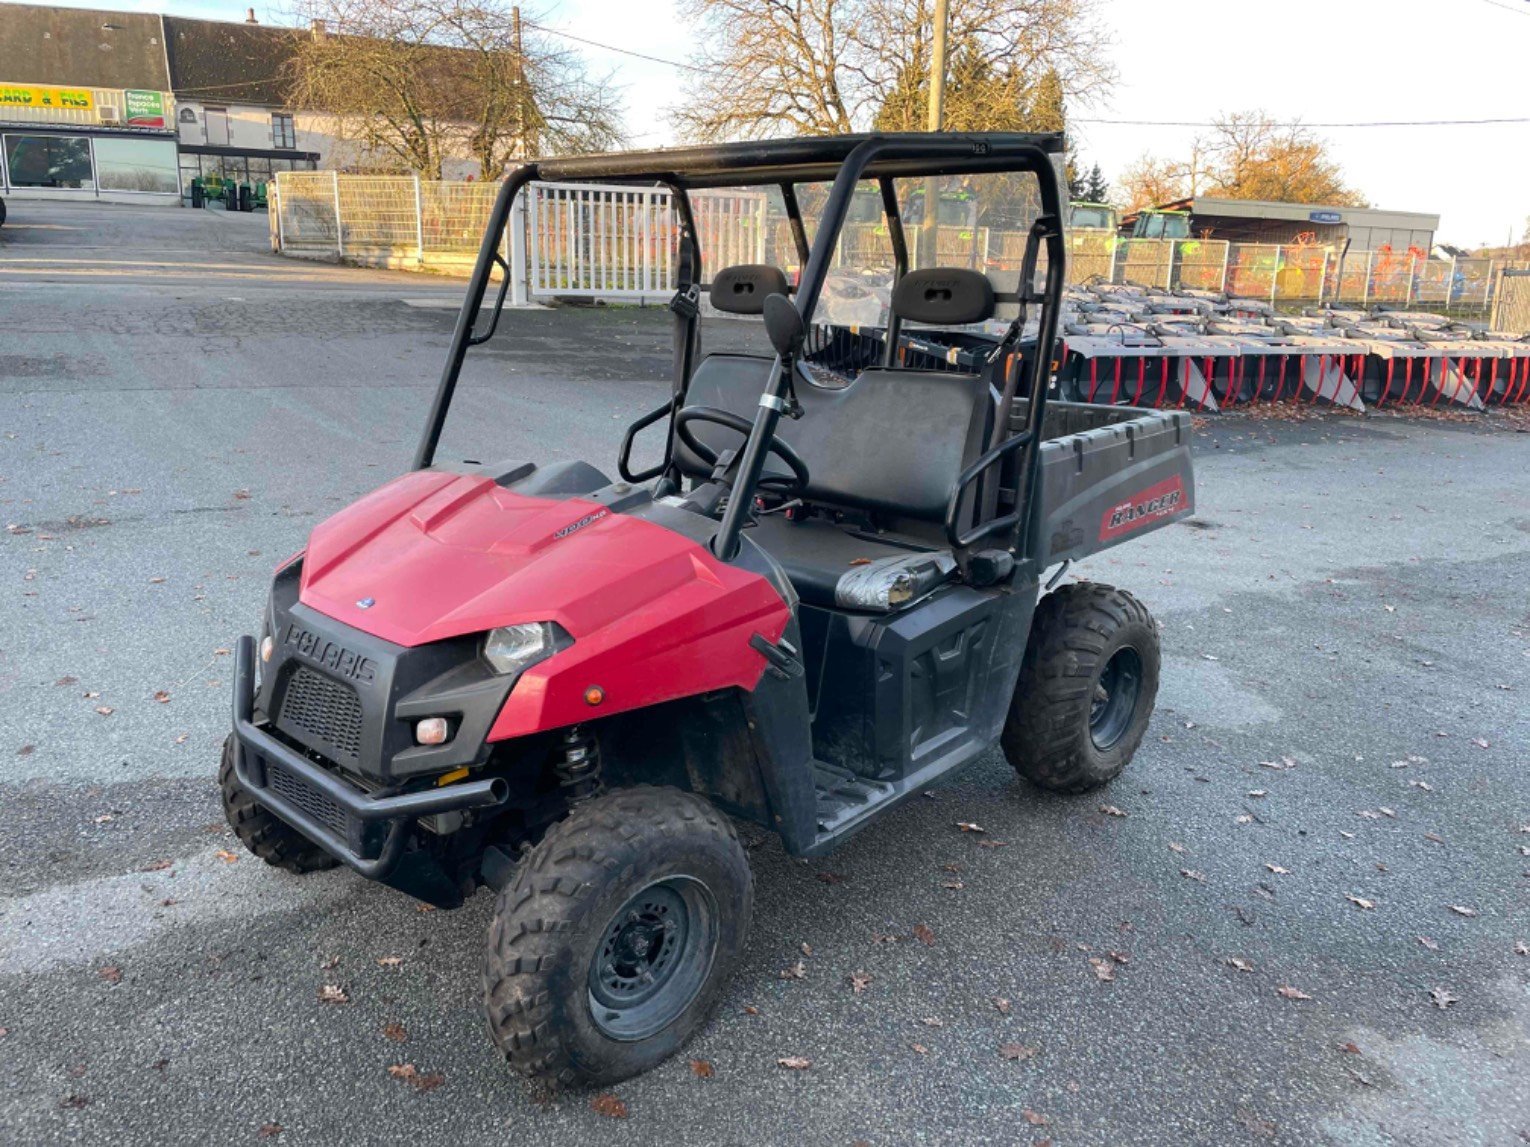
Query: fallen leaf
[
  {"x": 1192, "y": 874},
  {"x": 1480, "y": 742},
  {"x": 1350, "y": 1047},
  {"x": 701, "y": 1069},
  {"x": 797, "y": 971},
  {"x": 1423, "y": 786},
  {"x": 1175, "y": 846},
  {"x": 389, "y": 961},
  {"x": 157, "y": 866},
  {"x": 395, "y": 1031},
  {"x": 1360, "y": 902},
  {"x": 269, "y": 1130},
  {"x": 807, "y": 949},
  {"x": 1035, "y": 1119},
  {"x": 1286, "y": 991},
  {"x": 1104, "y": 970},
  {"x": 751, "y": 1010},
  {"x": 1120, "y": 957},
  {"x": 329, "y": 962},
  {"x": 968, "y": 826},
  {"x": 859, "y": 981},
  {"x": 952, "y": 885},
  {"x": 1520, "y": 949},
  {"x": 162, "y": 697},
  {"x": 1278, "y": 870},
  {"x": 74, "y": 1101},
  {"x": 1243, "y": 818},
  {"x": 1112, "y": 810},
  {"x": 105, "y": 710},
  {"x": 993, "y": 844},
  {"x": 241, "y": 495},
  {"x": 1001, "y": 1005},
  {"x": 1463, "y": 910},
  {"x": 26, "y": 750},
  {"x": 1435, "y": 837},
  {"x": 794, "y": 1062},
  {"x": 67, "y": 681},
  {"x": 1430, "y": 943},
  {"x": 1016, "y": 1051},
  {"x": 1239, "y": 963},
  {"x": 1442, "y": 997},
  {"x": 333, "y": 994},
  {"x": 226, "y": 856},
  {"x": 111, "y": 975},
  {"x": 919, "y": 1048},
  {"x": 925, "y": 935},
  {"x": 1258, "y": 793},
  {"x": 104, "y": 818},
  {"x": 407, "y": 1073},
  {"x": 1386, "y": 812}
]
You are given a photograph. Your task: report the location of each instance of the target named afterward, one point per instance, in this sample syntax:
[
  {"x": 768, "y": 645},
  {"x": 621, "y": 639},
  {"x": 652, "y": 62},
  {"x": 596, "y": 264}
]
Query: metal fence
[{"x": 618, "y": 243}]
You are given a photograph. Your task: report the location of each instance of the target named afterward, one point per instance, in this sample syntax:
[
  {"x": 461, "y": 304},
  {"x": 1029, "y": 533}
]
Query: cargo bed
[{"x": 1108, "y": 474}]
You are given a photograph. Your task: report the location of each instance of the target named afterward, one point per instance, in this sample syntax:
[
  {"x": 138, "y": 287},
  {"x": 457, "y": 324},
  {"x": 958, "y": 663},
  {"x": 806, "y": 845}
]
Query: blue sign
[{"x": 1325, "y": 217}]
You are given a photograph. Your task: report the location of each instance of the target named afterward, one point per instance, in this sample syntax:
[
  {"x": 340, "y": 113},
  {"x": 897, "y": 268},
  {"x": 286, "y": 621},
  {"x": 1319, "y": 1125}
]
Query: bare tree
[
  {"x": 412, "y": 83},
  {"x": 806, "y": 67},
  {"x": 1245, "y": 156}
]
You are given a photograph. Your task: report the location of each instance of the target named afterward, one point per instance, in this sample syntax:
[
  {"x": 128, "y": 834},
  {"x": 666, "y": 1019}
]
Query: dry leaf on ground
[
  {"x": 794, "y": 1062},
  {"x": 1016, "y": 1051},
  {"x": 333, "y": 994},
  {"x": 1286, "y": 991},
  {"x": 925, "y": 935}
]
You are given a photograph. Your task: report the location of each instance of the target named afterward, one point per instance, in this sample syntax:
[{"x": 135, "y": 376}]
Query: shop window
[
  {"x": 49, "y": 161},
  {"x": 283, "y": 130},
  {"x": 137, "y": 165}
]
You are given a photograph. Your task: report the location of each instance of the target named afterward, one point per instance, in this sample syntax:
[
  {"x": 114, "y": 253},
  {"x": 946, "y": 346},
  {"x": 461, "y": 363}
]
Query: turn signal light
[{"x": 432, "y": 731}]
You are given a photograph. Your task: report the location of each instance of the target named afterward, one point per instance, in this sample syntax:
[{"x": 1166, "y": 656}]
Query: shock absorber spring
[{"x": 577, "y": 764}]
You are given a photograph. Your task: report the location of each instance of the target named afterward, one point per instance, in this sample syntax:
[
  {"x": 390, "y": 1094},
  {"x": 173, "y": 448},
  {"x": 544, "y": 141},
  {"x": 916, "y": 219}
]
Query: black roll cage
[{"x": 845, "y": 160}]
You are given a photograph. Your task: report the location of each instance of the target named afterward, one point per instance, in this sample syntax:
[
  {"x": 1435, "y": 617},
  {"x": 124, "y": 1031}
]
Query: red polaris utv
[{"x": 822, "y": 597}]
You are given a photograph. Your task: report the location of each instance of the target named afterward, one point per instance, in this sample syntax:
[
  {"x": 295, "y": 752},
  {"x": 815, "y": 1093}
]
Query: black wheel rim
[
  {"x": 1115, "y": 698},
  {"x": 653, "y": 958}
]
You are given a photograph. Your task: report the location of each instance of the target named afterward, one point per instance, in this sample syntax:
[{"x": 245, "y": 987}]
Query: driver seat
[{"x": 892, "y": 444}]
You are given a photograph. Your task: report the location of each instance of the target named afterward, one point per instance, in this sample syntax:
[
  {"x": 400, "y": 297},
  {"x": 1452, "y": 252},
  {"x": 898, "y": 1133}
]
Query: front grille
[
  {"x": 294, "y": 789},
  {"x": 325, "y": 710}
]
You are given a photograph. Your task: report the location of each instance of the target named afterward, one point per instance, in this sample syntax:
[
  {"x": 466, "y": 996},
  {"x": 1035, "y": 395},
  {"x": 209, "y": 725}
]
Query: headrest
[
  {"x": 943, "y": 297},
  {"x": 742, "y": 290}
]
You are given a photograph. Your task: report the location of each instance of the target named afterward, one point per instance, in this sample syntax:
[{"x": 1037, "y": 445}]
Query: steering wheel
[{"x": 785, "y": 485}]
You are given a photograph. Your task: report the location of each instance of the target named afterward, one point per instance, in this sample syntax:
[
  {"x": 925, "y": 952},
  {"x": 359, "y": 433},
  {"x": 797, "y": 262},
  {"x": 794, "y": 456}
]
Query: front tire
[
  {"x": 268, "y": 837},
  {"x": 1086, "y": 690},
  {"x": 611, "y": 946}
]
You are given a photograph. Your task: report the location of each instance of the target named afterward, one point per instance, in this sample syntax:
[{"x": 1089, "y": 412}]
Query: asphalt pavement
[{"x": 1302, "y": 916}]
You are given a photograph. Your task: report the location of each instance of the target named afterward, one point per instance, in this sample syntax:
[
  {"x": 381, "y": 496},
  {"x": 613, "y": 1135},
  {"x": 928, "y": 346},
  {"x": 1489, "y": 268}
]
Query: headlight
[{"x": 512, "y": 648}]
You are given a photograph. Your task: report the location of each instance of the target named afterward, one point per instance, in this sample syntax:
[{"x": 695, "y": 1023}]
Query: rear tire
[
  {"x": 611, "y": 946},
  {"x": 268, "y": 837},
  {"x": 1086, "y": 690}
]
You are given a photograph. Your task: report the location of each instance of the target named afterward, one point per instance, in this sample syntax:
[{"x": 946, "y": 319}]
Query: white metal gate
[{"x": 591, "y": 241}]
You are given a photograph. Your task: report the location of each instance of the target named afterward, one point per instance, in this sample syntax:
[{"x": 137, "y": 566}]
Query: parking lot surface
[{"x": 1302, "y": 915}]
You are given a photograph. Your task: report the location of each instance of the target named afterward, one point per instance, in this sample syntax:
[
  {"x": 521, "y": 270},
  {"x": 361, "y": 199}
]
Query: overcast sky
[{"x": 1321, "y": 61}]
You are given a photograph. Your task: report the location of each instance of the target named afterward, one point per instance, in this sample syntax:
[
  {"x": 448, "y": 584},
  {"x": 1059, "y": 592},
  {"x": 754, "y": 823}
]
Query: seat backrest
[
  {"x": 894, "y": 440},
  {"x": 742, "y": 290}
]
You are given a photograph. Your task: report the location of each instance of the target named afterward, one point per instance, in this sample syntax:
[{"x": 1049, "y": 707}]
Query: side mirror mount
[{"x": 784, "y": 326}]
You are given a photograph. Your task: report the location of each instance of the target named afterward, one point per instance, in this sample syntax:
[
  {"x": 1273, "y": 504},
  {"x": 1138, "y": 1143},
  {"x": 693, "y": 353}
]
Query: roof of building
[
  {"x": 81, "y": 47},
  {"x": 212, "y": 61},
  {"x": 1215, "y": 205}
]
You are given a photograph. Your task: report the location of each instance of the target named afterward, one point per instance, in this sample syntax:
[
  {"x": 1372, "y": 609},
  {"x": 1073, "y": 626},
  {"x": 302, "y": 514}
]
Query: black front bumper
[{"x": 366, "y": 831}]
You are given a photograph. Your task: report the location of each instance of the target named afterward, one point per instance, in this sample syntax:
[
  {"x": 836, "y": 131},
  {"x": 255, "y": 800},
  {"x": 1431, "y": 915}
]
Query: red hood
[{"x": 438, "y": 555}]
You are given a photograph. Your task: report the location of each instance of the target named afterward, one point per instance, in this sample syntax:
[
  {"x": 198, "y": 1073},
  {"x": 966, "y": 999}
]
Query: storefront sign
[
  {"x": 1325, "y": 217},
  {"x": 143, "y": 109},
  {"x": 28, "y": 96}
]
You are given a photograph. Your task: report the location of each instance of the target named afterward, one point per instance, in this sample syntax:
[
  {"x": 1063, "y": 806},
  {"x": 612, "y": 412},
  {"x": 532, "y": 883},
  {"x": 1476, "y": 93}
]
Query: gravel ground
[{"x": 1332, "y": 800}]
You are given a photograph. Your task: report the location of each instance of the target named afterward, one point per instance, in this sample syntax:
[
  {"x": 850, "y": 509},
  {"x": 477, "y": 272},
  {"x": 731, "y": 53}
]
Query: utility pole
[
  {"x": 933, "y": 122},
  {"x": 520, "y": 84},
  {"x": 938, "y": 67}
]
